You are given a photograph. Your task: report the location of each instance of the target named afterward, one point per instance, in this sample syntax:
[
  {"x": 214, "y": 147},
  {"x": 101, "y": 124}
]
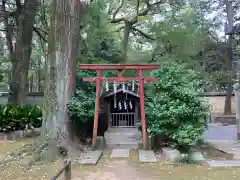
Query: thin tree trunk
[
  {"x": 63, "y": 38},
  {"x": 9, "y": 34},
  {"x": 227, "y": 106},
  {"x": 38, "y": 76},
  {"x": 21, "y": 58},
  {"x": 31, "y": 85},
  {"x": 228, "y": 100}
]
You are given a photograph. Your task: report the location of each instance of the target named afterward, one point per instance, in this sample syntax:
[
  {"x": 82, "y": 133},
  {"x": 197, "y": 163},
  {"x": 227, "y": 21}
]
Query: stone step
[
  {"x": 123, "y": 135},
  {"x": 121, "y": 131},
  {"x": 121, "y": 142},
  {"x": 120, "y": 153},
  {"x": 125, "y": 130},
  {"x": 122, "y": 138},
  {"x": 122, "y": 146}
]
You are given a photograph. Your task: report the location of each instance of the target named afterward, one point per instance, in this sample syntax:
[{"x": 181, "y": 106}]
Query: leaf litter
[{"x": 14, "y": 152}]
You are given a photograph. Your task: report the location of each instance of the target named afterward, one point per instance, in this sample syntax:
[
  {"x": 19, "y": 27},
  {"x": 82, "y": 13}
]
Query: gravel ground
[{"x": 122, "y": 169}]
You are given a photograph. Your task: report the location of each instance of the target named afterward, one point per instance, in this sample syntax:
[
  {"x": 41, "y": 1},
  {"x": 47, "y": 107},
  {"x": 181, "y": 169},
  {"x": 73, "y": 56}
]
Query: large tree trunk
[
  {"x": 63, "y": 38},
  {"x": 21, "y": 56}
]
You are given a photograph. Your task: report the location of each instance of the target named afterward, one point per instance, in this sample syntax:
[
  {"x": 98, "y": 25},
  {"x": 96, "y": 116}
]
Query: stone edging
[
  {"x": 19, "y": 134},
  {"x": 220, "y": 125},
  {"x": 5, "y": 94},
  {"x": 215, "y": 93}
]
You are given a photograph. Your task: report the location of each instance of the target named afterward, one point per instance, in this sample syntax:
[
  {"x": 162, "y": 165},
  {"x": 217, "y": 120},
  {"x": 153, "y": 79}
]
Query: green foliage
[
  {"x": 179, "y": 35},
  {"x": 173, "y": 108},
  {"x": 82, "y": 105},
  {"x": 17, "y": 118},
  {"x": 101, "y": 42},
  {"x": 4, "y": 67}
]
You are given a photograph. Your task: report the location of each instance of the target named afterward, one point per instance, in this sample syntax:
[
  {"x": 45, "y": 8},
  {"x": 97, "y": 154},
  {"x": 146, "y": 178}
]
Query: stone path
[
  {"x": 120, "y": 153},
  {"x": 223, "y": 139},
  {"x": 237, "y": 149},
  {"x": 130, "y": 169},
  {"x": 147, "y": 156},
  {"x": 226, "y": 163},
  {"x": 91, "y": 157},
  {"x": 115, "y": 170}
]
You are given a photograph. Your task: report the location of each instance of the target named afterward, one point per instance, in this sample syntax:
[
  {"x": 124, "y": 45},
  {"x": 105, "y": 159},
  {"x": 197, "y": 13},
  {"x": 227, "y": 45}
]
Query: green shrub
[
  {"x": 174, "y": 109},
  {"x": 82, "y": 105},
  {"x": 17, "y": 118}
]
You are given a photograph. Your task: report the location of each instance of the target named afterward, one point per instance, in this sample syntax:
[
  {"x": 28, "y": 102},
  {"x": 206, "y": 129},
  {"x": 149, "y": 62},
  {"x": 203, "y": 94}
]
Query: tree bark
[
  {"x": 227, "y": 106},
  {"x": 228, "y": 100},
  {"x": 21, "y": 55},
  {"x": 63, "y": 45},
  {"x": 127, "y": 30},
  {"x": 9, "y": 34}
]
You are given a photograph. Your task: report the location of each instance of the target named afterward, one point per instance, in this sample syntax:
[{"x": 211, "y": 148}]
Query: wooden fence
[{"x": 66, "y": 169}]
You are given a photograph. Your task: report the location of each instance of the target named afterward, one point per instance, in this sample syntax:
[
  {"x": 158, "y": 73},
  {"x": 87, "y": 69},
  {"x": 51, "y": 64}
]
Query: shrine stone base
[{"x": 122, "y": 138}]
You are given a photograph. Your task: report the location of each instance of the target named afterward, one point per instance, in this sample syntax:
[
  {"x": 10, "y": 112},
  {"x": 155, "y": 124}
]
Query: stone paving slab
[
  {"x": 237, "y": 149},
  {"x": 226, "y": 163},
  {"x": 147, "y": 156},
  {"x": 230, "y": 147},
  {"x": 91, "y": 157},
  {"x": 120, "y": 153},
  {"x": 236, "y": 156}
]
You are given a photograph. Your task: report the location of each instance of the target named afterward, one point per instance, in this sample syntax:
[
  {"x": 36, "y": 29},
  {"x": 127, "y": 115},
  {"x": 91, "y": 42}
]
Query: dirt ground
[{"x": 118, "y": 169}]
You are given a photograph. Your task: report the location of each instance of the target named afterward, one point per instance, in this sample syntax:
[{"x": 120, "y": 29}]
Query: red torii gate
[{"x": 120, "y": 78}]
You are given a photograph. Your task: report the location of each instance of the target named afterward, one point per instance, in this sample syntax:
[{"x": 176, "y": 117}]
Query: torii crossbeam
[{"x": 120, "y": 78}]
